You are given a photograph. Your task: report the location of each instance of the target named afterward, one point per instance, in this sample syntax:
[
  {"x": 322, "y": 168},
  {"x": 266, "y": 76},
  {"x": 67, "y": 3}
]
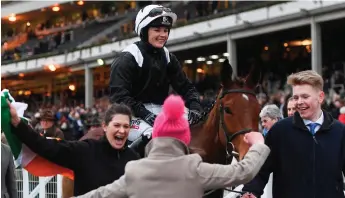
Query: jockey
[{"x": 143, "y": 72}]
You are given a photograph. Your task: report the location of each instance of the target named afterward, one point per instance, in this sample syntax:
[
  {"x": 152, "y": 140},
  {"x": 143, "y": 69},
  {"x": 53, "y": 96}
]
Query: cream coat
[{"x": 169, "y": 172}]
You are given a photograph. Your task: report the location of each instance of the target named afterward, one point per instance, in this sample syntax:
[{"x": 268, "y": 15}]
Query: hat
[
  {"x": 47, "y": 115},
  {"x": 170, "y": 122}
]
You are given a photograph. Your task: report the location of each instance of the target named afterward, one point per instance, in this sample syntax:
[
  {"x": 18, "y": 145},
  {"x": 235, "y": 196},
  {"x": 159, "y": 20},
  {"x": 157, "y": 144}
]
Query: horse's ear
[
  {"x": 254, "y": 76},
  {"x": 226, "y": 73}
]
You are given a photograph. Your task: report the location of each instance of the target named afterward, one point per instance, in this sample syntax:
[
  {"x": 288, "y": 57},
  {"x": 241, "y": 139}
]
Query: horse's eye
[{"x": 228, "y": 110}]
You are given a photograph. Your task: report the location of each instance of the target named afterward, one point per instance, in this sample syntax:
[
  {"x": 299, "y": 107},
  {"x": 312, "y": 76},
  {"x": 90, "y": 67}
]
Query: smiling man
[{"x": 307, "y": 149}]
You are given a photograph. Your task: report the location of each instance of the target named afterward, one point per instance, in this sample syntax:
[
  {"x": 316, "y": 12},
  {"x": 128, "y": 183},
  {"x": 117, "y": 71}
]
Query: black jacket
[
  {"x": 303, "y": 165},
  {"x": 94, "y": 162},
  {"x": 135, "y": 85}
]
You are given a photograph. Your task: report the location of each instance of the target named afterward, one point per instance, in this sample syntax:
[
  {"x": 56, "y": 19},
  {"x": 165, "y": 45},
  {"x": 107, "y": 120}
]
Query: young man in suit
[{"x": 307, "y": 156}]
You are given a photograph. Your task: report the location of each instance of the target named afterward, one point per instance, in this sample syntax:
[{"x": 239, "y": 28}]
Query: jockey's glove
[
  {"x": 195, "y": 112},
  {"x": 196, "y": 107},
  {"x": 150, "y": 119},
  {"x": 193, "y": 117}
]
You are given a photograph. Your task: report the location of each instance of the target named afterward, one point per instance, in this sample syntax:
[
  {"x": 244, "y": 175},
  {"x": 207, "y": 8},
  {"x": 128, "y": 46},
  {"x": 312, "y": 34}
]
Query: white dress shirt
[{"x": 319, "y": 121}]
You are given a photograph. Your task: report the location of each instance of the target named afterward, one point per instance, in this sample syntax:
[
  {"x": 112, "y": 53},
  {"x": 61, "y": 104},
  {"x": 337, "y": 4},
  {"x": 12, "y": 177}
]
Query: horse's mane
[{"x": 238, "y": 81}]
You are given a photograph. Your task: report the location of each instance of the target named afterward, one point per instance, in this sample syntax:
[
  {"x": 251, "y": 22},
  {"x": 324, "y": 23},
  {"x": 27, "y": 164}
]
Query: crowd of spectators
[
  {"x": 51, "y": 34},
  {"x": 75, "y": 121},
  {"x": 56, "y": 35}
]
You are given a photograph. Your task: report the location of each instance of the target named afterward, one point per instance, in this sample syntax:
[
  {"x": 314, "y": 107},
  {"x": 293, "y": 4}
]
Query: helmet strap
[{"x": 144, "y": 34}]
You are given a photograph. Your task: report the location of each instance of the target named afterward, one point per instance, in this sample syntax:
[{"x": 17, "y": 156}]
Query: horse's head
[
  {"x": 238, "y": 109},
  {"x": 235, "y": 112}
]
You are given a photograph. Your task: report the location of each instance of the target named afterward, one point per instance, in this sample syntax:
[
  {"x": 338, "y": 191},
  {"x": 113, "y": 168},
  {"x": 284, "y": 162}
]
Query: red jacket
[{"x": 341, "y": 117}]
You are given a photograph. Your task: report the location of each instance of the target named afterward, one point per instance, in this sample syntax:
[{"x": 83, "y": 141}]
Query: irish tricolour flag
[{"x": 24, "y": 157}]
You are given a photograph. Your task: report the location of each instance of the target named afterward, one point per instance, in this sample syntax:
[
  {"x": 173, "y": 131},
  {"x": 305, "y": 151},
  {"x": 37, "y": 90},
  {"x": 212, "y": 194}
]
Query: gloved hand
[
  {"x": 150, "y": 119},
  {"x": 193, "y": 117},
  {"x": 195, "y": 113},
  {"x": 139, "y": 144}
]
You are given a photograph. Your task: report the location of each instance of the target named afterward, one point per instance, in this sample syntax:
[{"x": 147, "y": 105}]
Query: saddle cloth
[{"x": 140, "y": 127}]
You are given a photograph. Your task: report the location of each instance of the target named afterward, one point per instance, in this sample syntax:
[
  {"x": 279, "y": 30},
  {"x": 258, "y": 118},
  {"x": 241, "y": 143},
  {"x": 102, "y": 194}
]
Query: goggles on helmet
[{"x": 158, "y": 11}]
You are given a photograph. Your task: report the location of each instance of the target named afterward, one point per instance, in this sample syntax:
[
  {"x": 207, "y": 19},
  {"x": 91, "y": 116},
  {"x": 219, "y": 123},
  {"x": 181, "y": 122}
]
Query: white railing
[{"x": 30, "y": 186}]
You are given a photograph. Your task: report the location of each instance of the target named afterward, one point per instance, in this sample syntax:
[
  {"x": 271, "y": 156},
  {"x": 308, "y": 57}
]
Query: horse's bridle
[
  {"x": 227, "y": 133},
  {"x": 230, "y": 136}
]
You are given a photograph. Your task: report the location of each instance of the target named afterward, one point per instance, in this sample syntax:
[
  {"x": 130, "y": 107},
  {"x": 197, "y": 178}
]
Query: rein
[
  {"x": 227, "y": 189},
  {"x": 227, "y": 133}
]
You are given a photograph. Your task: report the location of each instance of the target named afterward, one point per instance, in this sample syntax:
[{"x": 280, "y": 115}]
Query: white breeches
[{"x": 139, "y": 126}]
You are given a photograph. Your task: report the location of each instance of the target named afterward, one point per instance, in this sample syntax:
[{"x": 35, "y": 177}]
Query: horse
[{"x": 219, "y": 137}]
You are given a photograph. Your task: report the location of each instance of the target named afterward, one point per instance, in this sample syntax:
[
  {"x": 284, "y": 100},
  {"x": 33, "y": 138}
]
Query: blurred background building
[{"x": 57, "y": 54}]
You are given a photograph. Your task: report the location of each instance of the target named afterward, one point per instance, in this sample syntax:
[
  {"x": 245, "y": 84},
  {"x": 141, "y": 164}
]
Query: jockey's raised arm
[{"x": 143, "y": 72}]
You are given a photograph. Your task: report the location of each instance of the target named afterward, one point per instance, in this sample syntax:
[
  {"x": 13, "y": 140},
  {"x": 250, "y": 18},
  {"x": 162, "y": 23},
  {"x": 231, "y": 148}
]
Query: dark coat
[
  {"x": 303, "y": 165},
  {"x": 135, "y": 85},
  {"x": 68, "y": 184},
  {"x": 95, "y": 162},
  {"x": 8, "y": 178}
]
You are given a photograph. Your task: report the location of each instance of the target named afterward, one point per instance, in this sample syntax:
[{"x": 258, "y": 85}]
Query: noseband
[{"x": 230, "y": 152}]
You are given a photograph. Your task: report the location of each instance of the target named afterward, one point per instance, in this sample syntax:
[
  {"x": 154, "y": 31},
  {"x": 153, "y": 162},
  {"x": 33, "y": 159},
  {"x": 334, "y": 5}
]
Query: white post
[
  {"x": 42, "y": 187},
  {"x": 316, "y": 53},
  {"x": 231, "y": 49},
  {"x": 88, "y": 86},
  {"x": 59, "y": 186},
  {"x": 25, "y": 183}
]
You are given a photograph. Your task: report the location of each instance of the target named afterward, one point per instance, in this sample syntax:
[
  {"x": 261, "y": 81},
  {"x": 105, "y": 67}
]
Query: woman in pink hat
[{"x": 169, "y": 170}]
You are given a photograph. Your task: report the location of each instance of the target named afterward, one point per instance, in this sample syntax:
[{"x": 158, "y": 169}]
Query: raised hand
[
  {"x": 15, "y": 120},
  {"x": 253, "y": 138}
]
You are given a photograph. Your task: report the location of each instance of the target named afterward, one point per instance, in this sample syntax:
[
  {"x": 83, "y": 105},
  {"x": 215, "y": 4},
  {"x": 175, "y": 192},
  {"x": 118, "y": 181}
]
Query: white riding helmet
[{"x": 151, "y": 12}]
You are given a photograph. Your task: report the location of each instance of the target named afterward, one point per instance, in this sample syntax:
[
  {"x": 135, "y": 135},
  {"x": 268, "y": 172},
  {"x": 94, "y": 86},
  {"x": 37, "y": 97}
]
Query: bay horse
[
  {"x": 234, "y": 113},
  {"x": 220, "y": 132}
]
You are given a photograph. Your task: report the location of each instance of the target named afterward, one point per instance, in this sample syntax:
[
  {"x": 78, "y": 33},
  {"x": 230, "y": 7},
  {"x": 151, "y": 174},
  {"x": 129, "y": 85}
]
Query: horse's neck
[{"x": 205, "y": 140}]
